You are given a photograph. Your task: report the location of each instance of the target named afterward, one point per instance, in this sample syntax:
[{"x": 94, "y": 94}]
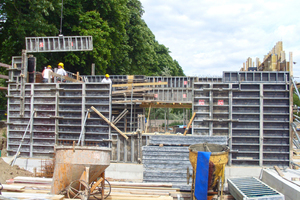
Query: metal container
[
  {"x": 218, "y": 160},
  {"x": 71, "y": 162}
]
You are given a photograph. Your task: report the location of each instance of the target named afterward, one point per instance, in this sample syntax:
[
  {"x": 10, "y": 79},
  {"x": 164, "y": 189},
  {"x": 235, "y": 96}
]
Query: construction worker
[
  {"x": 106, "y": 79},
  {"x": 61, "y": 71},
  {"x": 45, "y": 73}
]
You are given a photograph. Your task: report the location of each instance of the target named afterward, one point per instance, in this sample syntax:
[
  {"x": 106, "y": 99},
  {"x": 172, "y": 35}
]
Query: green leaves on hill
[{"x": 123, "y": 44}]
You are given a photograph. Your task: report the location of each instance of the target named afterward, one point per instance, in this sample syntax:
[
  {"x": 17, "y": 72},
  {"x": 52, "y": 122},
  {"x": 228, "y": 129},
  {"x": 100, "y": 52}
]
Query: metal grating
[
  {"x": 251, "y": 188},
  {"x": 59, "y": 44}
]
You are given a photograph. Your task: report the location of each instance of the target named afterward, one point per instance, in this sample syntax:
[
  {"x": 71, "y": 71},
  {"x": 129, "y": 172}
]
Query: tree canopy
[{"x": 123, "y": 44}]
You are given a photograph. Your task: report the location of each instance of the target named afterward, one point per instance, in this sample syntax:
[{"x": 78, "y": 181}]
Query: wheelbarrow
[
  {"x": 80, "y": 172},
  {"x": 218, "y": 160}
]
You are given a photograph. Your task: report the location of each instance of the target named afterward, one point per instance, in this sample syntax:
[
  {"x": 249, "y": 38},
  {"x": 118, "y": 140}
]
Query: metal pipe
[{"x": 83, "y": 128}]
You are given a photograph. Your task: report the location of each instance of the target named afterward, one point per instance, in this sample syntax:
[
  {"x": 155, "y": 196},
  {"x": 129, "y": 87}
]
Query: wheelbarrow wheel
[
  {"x": 78, "y": 189},
  {"x": 98, "y": 190}
]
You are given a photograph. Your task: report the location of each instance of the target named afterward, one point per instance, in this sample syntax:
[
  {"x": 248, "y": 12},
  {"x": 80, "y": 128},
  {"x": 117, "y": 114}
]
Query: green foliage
[
  {"x": 296, "y": 100},
  {"x": 123, "y": 44}
]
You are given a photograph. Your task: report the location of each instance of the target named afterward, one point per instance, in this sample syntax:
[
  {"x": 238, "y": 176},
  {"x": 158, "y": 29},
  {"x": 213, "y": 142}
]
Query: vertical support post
[
  {"x": 211, "y": 110},
  {"x": 83, "y": 117},
  {"x": 291, "y": 65},
  {"x": 103, "y": 185},
  {"x": 230, "y": 124},
  {"x": 110, "y": 114},
  {"x": 168, "y": 118},
  {"x": 165, "y": 120},
  {"x": 31, "y": 123},
  {"x": 93, "y": 69},
  {"x": 56, "y": 112},
  {"x": 23, "y": 81},
  {"x": 261, "y": 123},
  {"x": 118, "y": 148},
  {"x": 291, "y": 117}
]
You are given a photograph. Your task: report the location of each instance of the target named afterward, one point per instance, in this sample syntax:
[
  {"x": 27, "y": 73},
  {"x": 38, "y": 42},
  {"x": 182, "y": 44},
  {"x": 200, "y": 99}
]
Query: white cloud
[{"x": 209, "y": 37}]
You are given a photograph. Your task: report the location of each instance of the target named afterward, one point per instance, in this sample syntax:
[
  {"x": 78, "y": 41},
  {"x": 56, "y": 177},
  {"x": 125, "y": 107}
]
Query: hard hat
[
  {"x": 106, "y": 75},
  {"x": 61, "y": 64},
  {"x": 49, "y": 66}
]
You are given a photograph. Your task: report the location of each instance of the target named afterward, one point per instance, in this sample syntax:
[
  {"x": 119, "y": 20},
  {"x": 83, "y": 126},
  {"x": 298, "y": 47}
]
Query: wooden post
[
  {"x": 107, "y": 121},
  {"x": 188, "y": 126}
]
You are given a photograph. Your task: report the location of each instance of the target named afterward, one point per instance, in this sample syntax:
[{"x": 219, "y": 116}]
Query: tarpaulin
[{"x": 201, "y": 180}]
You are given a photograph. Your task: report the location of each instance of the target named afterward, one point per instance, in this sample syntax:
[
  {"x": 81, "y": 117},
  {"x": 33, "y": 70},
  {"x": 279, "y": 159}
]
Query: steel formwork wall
[
  {"x": 255, "y": 116},
  {"x": 59, "y": 116}
]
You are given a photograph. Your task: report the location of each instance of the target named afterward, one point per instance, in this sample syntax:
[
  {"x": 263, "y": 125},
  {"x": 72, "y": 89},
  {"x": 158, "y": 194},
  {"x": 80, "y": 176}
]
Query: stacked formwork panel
[
  {"x": 57, "y": 111},
  {"x": 253, "y": 110}
]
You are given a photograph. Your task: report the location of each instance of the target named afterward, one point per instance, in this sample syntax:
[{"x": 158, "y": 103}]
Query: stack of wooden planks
[
  {"x": 33, "y": 187},
  {"x": 29, "y": 188}
]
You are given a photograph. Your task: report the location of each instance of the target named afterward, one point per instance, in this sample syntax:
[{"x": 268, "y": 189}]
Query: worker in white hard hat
[
  {"x": 45, "y": 73},
  {"x": 61, "y": 71},
  {"x": 106, "y": 79}
]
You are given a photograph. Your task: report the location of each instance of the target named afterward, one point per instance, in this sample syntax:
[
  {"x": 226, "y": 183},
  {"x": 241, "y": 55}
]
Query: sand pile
[{"x": 9, "y": 172}]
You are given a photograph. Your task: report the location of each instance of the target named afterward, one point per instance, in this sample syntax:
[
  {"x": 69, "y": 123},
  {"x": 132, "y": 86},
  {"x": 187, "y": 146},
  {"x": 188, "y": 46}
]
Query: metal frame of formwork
[
  {"x": 60, "y": 110},
  {"x": 253, "y": 110}
]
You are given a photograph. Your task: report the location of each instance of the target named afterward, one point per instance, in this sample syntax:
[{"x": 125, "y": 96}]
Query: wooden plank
[
  {"x": 3, "y": 88},
  {"x": 24, "y": 179},
  {"x": 188, "y": 126},
  {"x": 64, "y": 77},
  {"x": 5, "y": 65},
  {"x": 32, "y": 196},
  {"x": 141, "y": 184},
  {"x": 133, "y": 90},
  {"x": 13, "y": 188},
  {"x": 139, "y": 84},
  {"x": 279, "y": 171},
  {"x": 34, "y": 186},
  {"x": 4, "y": 76},
  {"x": 107, "y": 121}
]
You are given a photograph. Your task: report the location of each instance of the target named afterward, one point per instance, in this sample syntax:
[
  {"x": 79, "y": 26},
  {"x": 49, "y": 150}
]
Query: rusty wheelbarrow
[{"x": 80, "y": 172}]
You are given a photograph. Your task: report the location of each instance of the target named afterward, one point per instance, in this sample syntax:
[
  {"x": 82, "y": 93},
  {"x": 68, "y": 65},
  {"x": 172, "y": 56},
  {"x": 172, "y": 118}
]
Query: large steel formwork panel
[
  {"x": 254, "y": 115},
  {"x": 40, "y": 137},
  {"x": 73, "y": 103},
  {"x": 257, "y": 76},
  {"x": 212, "y": 106}
]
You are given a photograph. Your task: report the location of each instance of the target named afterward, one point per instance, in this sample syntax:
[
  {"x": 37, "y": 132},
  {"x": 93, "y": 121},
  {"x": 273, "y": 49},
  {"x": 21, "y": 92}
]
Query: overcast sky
[{"x": 208, "y": 37}]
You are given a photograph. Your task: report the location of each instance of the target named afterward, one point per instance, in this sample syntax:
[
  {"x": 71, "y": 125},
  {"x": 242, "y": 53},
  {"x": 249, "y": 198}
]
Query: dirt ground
[
  {"x": 6, "y": 171},
  {"x": 3, "y": 141}
]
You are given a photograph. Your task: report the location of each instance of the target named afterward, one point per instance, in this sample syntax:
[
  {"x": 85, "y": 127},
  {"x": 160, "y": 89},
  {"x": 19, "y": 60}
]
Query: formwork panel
[{"x": 257, "y": 106}]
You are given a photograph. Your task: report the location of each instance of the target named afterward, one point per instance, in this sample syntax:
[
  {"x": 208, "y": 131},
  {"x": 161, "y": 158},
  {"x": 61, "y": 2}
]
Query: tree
[{"x": 123, "y": 44}]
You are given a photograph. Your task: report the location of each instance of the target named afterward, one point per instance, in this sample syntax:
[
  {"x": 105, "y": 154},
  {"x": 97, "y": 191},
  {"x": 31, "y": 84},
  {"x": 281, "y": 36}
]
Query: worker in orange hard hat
[{"x": 106, "y": 79}]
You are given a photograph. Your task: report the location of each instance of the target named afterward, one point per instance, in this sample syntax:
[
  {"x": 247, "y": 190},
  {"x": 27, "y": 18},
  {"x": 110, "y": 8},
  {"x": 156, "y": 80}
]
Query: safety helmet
[
  {"x": 106, "y": 75},
  {"x": 49, "y": 66},
  {"x": 61, "y": 64}
]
